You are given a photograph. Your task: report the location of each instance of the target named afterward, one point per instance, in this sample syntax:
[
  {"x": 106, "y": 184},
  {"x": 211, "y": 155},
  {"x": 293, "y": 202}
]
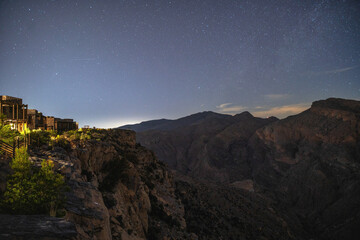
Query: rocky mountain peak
[
  {"x": 337, "y": 108},
  {"x": 338, "y": 104},
  {"x": 244, "y": 115}
]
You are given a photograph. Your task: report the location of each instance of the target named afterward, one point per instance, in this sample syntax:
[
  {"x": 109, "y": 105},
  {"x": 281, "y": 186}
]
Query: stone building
[
  {"x": 18, "y": 115},
  {"x": 36, "y": 120},
  {"x": 59, "y": 124},
  {"x": 14, "y": 111}
]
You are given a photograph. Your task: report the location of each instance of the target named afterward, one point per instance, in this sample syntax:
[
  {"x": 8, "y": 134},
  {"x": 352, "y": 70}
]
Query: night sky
[{"x": 108, "y": 63}]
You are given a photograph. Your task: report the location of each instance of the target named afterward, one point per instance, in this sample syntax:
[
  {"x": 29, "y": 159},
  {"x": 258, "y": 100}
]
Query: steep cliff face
[
  {"x": 135, "y": 192},
  {"x": 118, "y": 189},
  {"x": 310, "y": 163}
]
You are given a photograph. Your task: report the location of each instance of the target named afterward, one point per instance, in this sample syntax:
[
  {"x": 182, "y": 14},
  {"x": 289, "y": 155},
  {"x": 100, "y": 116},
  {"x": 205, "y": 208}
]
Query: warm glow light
[
  {"x": 282, "y": 111},
  {"x": 112, "y": 123}
]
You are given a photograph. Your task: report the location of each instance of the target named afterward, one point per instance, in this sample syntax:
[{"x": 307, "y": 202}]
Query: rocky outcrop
[
  {"x": 118, "y": 190},
  {"x": 310, "y": 164}
]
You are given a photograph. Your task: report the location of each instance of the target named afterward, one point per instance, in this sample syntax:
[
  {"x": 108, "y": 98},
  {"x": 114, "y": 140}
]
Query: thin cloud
[
  {"x": 276, "y": 96},
  {"x": 282, "y": 111},
  {"x": 229, "y": 108},
  {"x": 224, "y": 105},
  {"x": 333, "y": 71}
]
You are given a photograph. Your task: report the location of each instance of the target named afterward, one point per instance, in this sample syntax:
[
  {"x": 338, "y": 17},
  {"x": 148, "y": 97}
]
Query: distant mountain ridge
[
  {"x": 166, "y": 124},
  {"x": 204, "y": 145}
]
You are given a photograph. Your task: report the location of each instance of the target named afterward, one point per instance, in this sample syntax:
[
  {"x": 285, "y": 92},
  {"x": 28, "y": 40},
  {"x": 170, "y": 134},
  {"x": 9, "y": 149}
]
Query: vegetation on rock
[{"x": 32, "y": 190}]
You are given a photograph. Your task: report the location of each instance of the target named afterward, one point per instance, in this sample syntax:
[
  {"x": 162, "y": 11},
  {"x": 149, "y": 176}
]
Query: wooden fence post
[{"x": 13, "y": 150}]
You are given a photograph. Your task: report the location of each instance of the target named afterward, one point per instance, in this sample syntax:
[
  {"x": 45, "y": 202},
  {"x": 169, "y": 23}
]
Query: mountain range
[
  {"x": 307, "y": 165},
  {"x": 205, "y": 145}
]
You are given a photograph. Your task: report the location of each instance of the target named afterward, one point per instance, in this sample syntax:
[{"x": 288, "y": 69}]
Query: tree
[
  {"x": 49, "y": 188},
  {"x": 31, "y": 190},
  {"x": 7, "y": 134}
]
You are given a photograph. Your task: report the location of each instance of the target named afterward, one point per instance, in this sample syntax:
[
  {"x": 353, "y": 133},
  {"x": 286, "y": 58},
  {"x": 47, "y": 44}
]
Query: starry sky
[{"x": 108, "y": 63}]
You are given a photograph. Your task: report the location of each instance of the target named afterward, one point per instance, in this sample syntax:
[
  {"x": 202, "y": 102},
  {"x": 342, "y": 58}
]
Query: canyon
[
  {"x": 307, "y": 165},
  {"x": 208, "y": 176}
]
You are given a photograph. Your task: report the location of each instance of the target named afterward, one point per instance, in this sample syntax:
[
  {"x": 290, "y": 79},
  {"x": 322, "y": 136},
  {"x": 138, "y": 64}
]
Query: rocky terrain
[
  {"x": 306, "y": 166},
  {"x": 118, "y": 190}
]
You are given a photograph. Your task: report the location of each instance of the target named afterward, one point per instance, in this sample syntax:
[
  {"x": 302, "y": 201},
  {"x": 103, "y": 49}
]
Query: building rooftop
[{"x": 5, "y": 97}]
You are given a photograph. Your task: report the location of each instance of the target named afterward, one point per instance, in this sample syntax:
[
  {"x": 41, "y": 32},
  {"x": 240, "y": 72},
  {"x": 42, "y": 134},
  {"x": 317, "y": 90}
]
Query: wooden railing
[{"x": 7, "y": 149}]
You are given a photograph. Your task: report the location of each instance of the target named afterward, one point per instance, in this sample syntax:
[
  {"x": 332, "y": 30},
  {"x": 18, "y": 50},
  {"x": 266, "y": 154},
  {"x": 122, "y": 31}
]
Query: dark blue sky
[{"x": 107, "y": 63}]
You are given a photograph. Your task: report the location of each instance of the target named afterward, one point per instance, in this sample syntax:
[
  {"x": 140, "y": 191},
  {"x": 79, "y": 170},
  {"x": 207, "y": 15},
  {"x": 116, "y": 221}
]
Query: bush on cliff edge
[{"x": 32, "y": 190}]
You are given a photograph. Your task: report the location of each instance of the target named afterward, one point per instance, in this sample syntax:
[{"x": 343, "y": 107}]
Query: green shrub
[
  {"x": 80, "y": 134},
  {"x": 7, "y": 134},
  {"x": 61, "y": 141},
  {"x": 31, "y": 190},
  {"x": 84, "y": 136},
  {"x": 97, "y": 135},
  {"x": 53, "y": 133},
  {"x": 39, "y": 138},
  {"x": 73, "y": 134}
]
